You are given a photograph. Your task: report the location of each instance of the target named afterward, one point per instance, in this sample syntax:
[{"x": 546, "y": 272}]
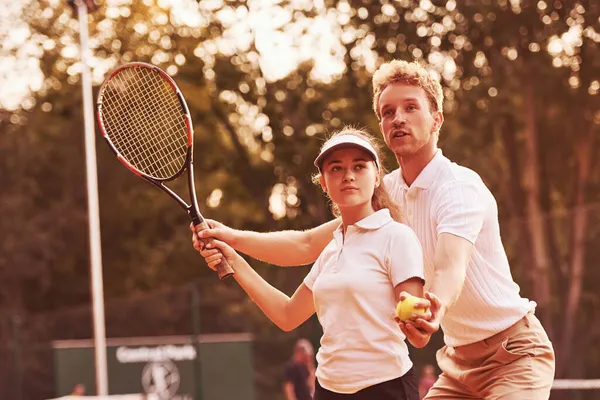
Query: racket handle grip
[{"x": 224, "y": 270}]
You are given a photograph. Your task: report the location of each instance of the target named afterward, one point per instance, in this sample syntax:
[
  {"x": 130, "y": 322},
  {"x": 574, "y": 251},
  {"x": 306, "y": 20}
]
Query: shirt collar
[
  {"x": 427, "y": 176},
  {"x": 373, "y": 221}
]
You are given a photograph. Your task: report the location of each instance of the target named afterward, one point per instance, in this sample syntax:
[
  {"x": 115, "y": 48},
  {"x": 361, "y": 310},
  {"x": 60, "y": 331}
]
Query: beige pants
[{"x": 515, "y": 364}]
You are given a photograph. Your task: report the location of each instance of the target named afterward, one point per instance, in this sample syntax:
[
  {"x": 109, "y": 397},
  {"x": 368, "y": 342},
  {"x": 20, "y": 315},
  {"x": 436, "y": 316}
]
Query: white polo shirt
[
  {"x": 446, "y": 197},
  {"x": 353, "y": 284}
]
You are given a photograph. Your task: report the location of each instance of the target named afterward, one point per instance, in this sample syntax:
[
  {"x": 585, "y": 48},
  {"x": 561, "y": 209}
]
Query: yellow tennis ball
[{"x": 406, "y": 308}]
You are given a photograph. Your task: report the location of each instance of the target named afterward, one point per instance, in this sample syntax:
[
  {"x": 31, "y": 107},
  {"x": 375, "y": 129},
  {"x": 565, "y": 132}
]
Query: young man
[
  {"x": 495, "y": 346},
  {"x": 300, "y": 372}
]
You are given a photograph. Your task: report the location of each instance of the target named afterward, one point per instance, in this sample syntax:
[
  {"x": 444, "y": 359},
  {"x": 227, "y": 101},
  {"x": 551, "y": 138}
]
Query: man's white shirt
[{"x": 448, "y": 198}]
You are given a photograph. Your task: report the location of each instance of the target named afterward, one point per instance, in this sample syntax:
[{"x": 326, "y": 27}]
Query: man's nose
[{"x": 399, "y": 118}]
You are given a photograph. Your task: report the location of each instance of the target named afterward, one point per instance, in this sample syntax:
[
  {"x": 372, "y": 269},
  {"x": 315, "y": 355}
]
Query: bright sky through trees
[
  {"x": 281, "y": 45},
  {"x": 282, "y": 36}
]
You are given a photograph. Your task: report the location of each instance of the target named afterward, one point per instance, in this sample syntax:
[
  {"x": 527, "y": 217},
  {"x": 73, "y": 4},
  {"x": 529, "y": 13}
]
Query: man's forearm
[
  {"x": 285, "y": 248},
  {"x": 288, "y": 390},
  {"x": 447, "y": 285},
  {"x": 452, "y": 255}
]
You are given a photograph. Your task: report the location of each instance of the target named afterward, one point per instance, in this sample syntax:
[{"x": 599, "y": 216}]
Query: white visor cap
[{"x": 346, "y": 140}]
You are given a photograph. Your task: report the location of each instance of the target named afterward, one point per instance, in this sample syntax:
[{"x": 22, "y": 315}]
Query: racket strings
[
  {"x": 166, "y": 149},
  {"x": 145, "y": 121},
  {"x": 163, "y": 151},
  {"x": 157, "y": 157}
]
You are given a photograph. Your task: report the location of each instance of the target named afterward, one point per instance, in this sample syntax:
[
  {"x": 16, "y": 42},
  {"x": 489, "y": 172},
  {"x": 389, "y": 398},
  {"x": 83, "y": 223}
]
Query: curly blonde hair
[
  {"x": 381, "y": 198},
  {"x": 414, "y": 74}
]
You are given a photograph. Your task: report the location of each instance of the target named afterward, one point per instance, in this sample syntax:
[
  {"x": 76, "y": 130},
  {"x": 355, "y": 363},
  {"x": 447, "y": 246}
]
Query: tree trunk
[
  {"x": 540, "y": 270},
  {"x": 559, "y": 263},
  {"x": 515, "y": 198},
  {"x": 583, "y": 150}
]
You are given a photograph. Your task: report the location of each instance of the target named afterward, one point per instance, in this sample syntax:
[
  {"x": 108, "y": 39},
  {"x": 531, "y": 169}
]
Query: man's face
[
  {"x": 79, "y": 390},
  {"x": 407, "y": 124},
  {"x": 302, "y": 355}
]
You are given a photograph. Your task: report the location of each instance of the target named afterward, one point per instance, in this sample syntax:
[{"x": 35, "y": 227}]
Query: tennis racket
[{"x": 146, "y": 122}]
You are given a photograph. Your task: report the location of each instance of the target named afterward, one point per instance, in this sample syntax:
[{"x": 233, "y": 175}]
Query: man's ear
[
  {"x": 438, "y": 120},
  {"x": 381, "y": 130}
]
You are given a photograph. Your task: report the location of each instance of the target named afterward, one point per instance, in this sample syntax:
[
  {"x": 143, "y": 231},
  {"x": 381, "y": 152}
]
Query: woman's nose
[{"x": 348, "y": 176}]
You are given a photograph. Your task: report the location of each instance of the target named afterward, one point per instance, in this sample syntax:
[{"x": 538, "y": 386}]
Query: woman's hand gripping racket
[{"x": 145, "y": 120}]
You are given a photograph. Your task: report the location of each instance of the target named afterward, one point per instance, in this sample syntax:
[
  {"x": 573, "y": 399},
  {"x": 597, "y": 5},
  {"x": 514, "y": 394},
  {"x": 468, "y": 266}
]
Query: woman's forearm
[
  {"x": 271, "y": 301},
  {"x": 285, "y": 248}
]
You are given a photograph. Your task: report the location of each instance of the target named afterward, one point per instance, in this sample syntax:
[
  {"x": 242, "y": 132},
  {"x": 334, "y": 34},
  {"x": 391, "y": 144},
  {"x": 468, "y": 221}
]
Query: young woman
[{"x": 355, "y": 283}]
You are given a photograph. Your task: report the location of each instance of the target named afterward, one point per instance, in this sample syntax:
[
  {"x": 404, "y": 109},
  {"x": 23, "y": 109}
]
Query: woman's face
[{"x": 349, "y": 176}]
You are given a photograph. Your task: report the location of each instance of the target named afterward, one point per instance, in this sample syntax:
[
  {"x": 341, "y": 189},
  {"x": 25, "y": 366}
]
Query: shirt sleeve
[
  {"x": 404, "y": 256},
  {"x": 461, "y": 210},
  {"x": 315, "y": 270}
]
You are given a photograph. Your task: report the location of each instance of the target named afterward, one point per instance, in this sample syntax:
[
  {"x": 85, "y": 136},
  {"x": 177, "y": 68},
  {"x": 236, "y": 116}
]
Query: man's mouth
[{"x": 399, "y": 133}]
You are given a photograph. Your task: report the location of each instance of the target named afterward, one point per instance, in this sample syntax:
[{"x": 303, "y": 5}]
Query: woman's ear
[
  {"x": 377, "y": 181},
  {"x": 322, "y": 182}
]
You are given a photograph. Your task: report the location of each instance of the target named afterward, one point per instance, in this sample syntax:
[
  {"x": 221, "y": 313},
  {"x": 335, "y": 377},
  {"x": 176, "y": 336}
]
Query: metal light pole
[
  {"x": 16, "y": 347},
  {"x": 195, "y": 311},
  {"x": 93, "y": 208}
]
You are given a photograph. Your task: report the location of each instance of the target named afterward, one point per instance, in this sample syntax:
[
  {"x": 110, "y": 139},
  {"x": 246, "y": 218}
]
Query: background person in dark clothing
[{"x": 300, "y": 372}]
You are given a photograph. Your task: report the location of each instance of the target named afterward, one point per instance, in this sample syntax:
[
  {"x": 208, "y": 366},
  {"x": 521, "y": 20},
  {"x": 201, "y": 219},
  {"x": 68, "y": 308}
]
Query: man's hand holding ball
[
  {"x": 418, "y": 318},
  {"x": 408, "y": 308}
]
